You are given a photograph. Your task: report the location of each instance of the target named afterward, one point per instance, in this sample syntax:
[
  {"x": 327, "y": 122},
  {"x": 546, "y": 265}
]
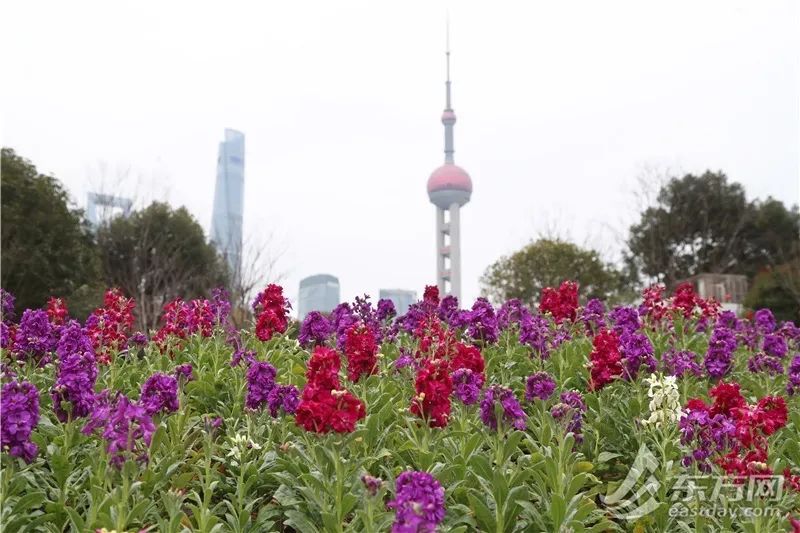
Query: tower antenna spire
[{"x": 447, "y": 55}]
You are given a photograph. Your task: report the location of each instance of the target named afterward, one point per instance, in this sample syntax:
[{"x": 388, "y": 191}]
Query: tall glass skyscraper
[
  {"x": 318, "y": 293},
  {"x": 226, "y": 221}
]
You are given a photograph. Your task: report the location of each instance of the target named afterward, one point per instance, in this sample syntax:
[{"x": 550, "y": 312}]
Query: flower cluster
[
  {"x": 324, "y": 406},
  {"x": 665, "y": 404},
  {"x": 271, "y": 309},
  {"x": 605, "y": 360},
  {"x": 108, "y": 326},
  {"x": 7, "y": 301},
  {"x": 34, "y": 336},
  {"x": 561, "y": 303},
  {"x": 433, "y": 387},
  {"x": 793, "y": 385},
  {"x": 182, "y": 319},
  {"x": 57, "y": 311},
  {"x": 361, "y": 350},
  {"x": 73, "y": 391},
  {"x": 539, "y": 385},
  {"x": 730, "y": 425},
  {"x": 184, "y": 372},
  {"x": 483, "y": 322},
  {"x": 159, "y": 394},
  {"x": 719, "y": 356},
  {"x": 762, "y": 362},
  {"x": 502, "y": 399},
  {"x": 680, "y": 363},
  {"x": 315, "y": 330},
  {"x": 636, "y": 351},
  {"x": 593, "y": 316},
  {"x": 125, "y": 425},
  {"x": 571, "y": 408},
  {"x": 418, "y": 503},
  {"x": 466, "y": 385},
  {"x": 19, "y": 414},
  {"x": 260, "y": 382},
  {"x": 284, "y": 398}
]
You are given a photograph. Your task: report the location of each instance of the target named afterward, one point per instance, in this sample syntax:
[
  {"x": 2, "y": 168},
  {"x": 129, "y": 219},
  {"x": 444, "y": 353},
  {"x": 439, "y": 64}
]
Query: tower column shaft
[
  {"x": 440, "y": 251},
  {"x": 455, "y": 251}
]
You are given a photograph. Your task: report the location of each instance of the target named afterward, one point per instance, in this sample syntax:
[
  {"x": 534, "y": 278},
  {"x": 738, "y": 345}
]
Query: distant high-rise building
[
  {"x": 101, "y": 208},
  {"x": 226, "y": 221},
  {"x": 449, "y": 188},
  {"x": 401, "y": 298},
  {"x": 317, "y": 293}
]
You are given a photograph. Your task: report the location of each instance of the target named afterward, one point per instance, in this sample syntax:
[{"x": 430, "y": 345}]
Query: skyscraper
[
  {"x": 401, "y": 298},
  {"x": 449, "y": 189},
  {"x": 109, "y": 206},
  {"x": 317, "y": 293},
  {"x": 226, "y": 221}
]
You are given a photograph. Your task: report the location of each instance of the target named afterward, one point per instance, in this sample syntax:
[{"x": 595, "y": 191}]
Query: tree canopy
[
  {"x": 157, "y": 254},
  {"x": 546, "y": 263},
  {"x": 705, "y": 224},
  {"x": 47, "y": 248}
]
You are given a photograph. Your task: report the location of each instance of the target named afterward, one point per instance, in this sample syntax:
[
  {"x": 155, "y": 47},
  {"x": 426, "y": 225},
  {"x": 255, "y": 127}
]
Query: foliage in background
[
  {"x": 544, "y": 263},
  {"x": 705, "y": 224},
  {"x": 47, "y": 248},
  {"x": 777, "y": 289},
  {"x": 158, "y": 254}
]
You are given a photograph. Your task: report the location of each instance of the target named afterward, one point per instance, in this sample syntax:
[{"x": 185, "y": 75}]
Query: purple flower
[
  {"x": 239, "y": 354},
  {"x": 405, "y": 359},
  {"x": 535, "y": 332},
  {"x": 510, "y": 313},
  {"x": 75, "y": 379},
  {"x": 793, "y": 384},
  {"x": 571, "y": 404},
  {"x": 212, "y": 423},
  {"x": 7, "y": 299},
  {"x": 679, "y": 364},
  {"x": 719, "y": 357},
  {"x": 386, "y": 310},
  {"x": 315, "y": 330},
  {"x": 260, "y": 382},
  {"x": 450, "y": 313},
  {"x": 285, "y": 397},
  {"x": 34, "y": 337},
  {"x": 764, "y": 321},
  {"x": 775, "y": 345},
  {"x": 483, "y": 322},
  {"x": 137, "y": 339},
  {"x": 72, "y": 340},
  {"x": 418, "y": 503},
  {"x": 19, "y": 414},
  {"x": 727, "y": 319},
  {"x": 539, "y": 385},
  {"x": 126, "y": 427},
  {"x": 159, "y": 394},
  {"x": 220, "y": 305},
  {"x": 342, "y": 317},
  {"x": 467, "y": 385},
  {"x": 593, "y": 315},
  {"x": 512, "y": 410},
  {"x": 625, "y": 319},
  {"x": 636, "y": 351},
  {"x": 762, "y": 362},
  {"x": 184, "y": 371},
  {"x": 706, "y": 434},
  {"x": 371, "y": 484},
  {"x": 5, "y": 335}
]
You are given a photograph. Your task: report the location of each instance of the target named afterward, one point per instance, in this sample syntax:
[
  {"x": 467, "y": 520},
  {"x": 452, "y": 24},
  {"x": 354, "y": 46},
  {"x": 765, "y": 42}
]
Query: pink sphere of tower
[{"x": 449, "y": 184}]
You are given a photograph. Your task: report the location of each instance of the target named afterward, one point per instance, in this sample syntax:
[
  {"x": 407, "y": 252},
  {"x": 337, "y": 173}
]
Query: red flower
[
  {"x": 433, "y": 387},
  {"x": 57, "y": 310},
  {"x": 561, "y": 303},
  {"x": 108, "y": 326},
  {"x": 431, "y": 295},
  {"x": 684, "y": 299},
  {"x": 468, "y": 357},
  {"x": 606, "y": 362},
  {"x": 361, "y": 350},
  {"x": 728, "y": 399},
  {"x": 271, "y": 310},
  {"x": 323, "y": 368}
]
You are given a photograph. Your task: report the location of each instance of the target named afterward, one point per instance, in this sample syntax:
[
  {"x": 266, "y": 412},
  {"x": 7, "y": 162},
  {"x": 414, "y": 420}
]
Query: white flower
[{"x": 665, "y": 406}]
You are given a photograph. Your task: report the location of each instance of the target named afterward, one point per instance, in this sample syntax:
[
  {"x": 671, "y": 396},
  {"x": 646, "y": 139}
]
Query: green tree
[
  {"x": 777, "y": 289},
  {"x": 705, "y": 224},
  {"x": 47, "y": 247},
  {"x": 157, "y": 254},
  {"x": 546, "y": 263}
]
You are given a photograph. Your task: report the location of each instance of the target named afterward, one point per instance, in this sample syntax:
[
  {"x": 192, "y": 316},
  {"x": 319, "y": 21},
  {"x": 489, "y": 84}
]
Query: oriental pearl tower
[{"x": 449, "y": 189}]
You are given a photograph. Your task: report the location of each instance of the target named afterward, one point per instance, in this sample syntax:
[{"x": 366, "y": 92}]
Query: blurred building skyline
[
  {"x": 101, "y": 207},
  {"x": 401, "y": 298},
  {"x": 319, "y": 292},
  {"x": 227, "y": 217}
]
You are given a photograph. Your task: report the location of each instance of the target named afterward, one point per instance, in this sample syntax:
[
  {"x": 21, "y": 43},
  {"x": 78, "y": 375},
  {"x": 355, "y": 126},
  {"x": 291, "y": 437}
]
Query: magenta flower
[
  {"x": 418, "y": 503},
  {"x": 539, "y": 385},
  {"x": 159, "y": 394},
  {"x": 260, "y": 382},
  {"x": 467, "y": 385},
  {"x": 511, "y": 409},
  {"x": 19, "y": 414}
]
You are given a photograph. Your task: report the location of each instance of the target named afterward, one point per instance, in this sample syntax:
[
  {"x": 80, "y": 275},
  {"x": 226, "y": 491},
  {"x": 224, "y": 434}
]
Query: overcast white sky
[{"x": 560, "y": 106}]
